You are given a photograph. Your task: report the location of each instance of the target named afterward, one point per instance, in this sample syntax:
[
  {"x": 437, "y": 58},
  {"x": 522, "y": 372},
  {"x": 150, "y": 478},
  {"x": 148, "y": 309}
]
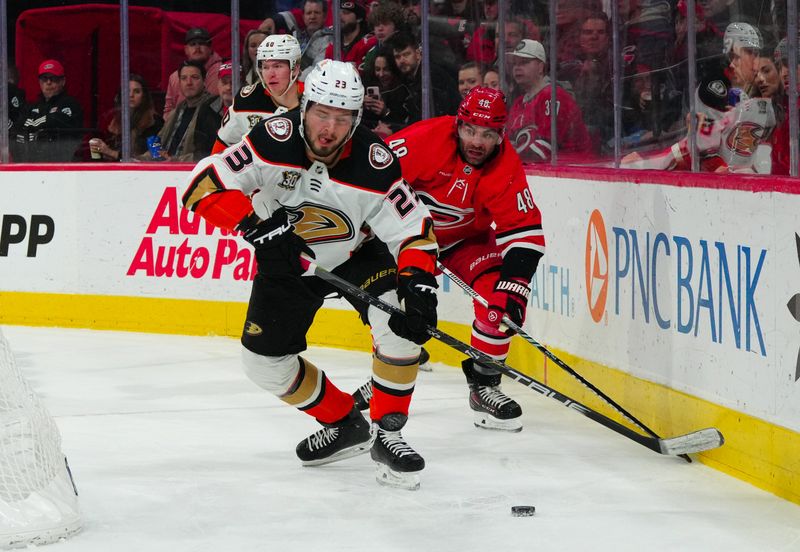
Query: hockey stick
[
  {"x": 546, "y": 352},
  {"x": 696, "y": 441}
]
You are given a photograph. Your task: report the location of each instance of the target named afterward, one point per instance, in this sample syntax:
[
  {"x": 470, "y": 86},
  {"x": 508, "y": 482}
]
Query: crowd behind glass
[{"x": 635, "y": 85}]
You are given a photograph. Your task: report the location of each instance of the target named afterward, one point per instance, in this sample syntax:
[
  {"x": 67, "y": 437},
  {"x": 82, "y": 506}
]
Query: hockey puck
[{"x": 523, "y": 511}]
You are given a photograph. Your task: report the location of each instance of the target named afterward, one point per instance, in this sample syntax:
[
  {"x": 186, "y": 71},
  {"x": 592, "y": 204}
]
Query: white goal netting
[{"x": 38, "y": 502}]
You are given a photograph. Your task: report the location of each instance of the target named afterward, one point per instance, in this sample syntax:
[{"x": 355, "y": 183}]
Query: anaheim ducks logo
[
  {"x": 251, "y": 328},
  {"x": 279, "y": 128},
  {"x": 446, "y": 216},
  {"x": 744, "y": 139},
  {"x": 320, "y": 224},
  {"x": 379, "y": 156}
]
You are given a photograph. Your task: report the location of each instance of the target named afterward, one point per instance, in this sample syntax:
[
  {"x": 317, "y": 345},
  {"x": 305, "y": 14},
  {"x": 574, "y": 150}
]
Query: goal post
[{"x": 38, "y": 500}]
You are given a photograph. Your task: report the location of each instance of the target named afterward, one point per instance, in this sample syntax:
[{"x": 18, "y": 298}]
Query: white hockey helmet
[
  {"x": 743, "y": 35},
  {"x": 336, "y": 84},
  {"x": 282, "y": 47}
]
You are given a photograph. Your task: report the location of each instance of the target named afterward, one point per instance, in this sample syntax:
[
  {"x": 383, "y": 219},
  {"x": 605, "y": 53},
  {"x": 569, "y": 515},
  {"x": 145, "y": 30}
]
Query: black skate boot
[
  {"x": 424, "y": 359},
  {"x": 398, "y": 464},
  {"x": 362, "y": 395},
  {"x": 348, "y": 437},
  {"x": 492, "y": 408}
]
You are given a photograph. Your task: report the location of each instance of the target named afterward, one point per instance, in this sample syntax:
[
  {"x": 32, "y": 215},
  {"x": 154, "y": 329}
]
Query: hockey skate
[
  {"x": 346, "y": 438},
  {"x": 424, "y": 361},
  {"x": 492, "y": 409},
  {"x": 398, "y": 464},
  {"x": 362, "y": 395}
]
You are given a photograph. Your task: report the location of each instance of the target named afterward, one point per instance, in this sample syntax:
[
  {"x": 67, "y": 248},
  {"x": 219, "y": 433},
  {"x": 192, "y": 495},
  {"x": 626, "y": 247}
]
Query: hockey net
[{"x": 38, "y": 501}]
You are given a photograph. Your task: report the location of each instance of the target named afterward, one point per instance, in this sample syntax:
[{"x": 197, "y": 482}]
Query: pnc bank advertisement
[{"x": 694, "y": 288}]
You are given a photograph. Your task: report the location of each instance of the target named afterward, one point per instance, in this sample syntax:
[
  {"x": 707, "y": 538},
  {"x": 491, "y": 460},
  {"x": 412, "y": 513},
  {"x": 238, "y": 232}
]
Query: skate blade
[
  {"x": 399, "y": 480},
  {"x": 427, "y": 367},
  {"x": 485, "y": 421},
  {"x": 343, "y": 454}
]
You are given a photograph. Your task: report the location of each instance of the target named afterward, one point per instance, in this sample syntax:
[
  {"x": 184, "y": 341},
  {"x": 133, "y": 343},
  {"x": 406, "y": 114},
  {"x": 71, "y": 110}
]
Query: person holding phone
[{"x": 384, "y": 111}]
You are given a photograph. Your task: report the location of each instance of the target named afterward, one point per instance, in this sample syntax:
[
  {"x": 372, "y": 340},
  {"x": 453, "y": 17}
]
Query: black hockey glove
[
  {"x": 276, "y": 245},
  {"x": 417, "y": 292}
]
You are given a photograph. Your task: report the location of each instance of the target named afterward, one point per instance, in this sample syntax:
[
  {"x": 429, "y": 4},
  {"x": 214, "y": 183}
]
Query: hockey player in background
[
  {"x": 278, "y": 60},
  {"x": 488, "y": 227},
  {"x": 727, "y": 138},
  {"x": 314, "y": 181}
]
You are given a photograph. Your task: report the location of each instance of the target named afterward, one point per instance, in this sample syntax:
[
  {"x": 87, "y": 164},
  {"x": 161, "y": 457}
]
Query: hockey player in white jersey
[
  {"x": 315, "y": 181},
  {"x": 727, "y": 141},
  {"x": 278, "y": 91}
]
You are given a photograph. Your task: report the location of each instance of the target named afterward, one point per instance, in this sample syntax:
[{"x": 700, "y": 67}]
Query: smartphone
[{"x": 373, "y": 91}]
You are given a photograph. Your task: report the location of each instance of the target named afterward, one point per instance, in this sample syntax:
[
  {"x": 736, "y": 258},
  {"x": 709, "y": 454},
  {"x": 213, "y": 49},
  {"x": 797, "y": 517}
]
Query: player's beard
[
  {"x": 325, "y": 151},
  {"x": 473, "y": 156}
]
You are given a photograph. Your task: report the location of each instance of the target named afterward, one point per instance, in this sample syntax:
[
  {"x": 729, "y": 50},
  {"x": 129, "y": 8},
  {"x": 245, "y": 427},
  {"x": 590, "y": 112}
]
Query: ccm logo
[{"x": 14, "y": 229}]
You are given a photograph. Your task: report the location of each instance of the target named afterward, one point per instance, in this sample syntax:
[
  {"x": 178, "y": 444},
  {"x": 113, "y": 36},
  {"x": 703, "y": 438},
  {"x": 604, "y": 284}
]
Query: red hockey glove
[
  {"x": 417, "y": 292},
  {"x": 510, "y": 298}
]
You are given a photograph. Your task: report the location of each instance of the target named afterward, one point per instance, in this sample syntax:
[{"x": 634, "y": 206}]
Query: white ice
[{"x": 174, "y": 449}]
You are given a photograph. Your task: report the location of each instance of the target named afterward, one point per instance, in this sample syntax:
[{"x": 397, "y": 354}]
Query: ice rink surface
[{"x": 174, "y": 449}]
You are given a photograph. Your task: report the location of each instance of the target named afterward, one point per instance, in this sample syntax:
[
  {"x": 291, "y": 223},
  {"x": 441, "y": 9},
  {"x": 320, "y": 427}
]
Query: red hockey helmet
[{"x": 484, "y": 107}]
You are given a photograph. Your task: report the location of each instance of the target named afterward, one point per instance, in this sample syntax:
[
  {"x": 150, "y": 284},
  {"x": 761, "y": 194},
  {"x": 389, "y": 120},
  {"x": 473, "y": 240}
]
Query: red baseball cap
[
  {"x": 51, "y": 67},
  {"x": 225, "y": 69}
]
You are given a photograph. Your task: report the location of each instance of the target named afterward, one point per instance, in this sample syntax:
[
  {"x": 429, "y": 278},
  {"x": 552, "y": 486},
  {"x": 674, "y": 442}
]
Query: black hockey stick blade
[
  {"x": 558, "y": 362},
  {"x": 696, "y": 441}
]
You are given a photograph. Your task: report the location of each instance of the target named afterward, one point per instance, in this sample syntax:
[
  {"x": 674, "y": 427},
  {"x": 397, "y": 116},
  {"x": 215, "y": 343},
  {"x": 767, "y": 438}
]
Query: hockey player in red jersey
[
  {"x": 315, "y": 181},
  {"x": 487, "y": 225},
  {"x": 278, "y": 59}
]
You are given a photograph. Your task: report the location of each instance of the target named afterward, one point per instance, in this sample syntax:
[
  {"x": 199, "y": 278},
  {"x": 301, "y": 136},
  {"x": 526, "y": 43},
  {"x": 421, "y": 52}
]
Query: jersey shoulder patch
[
  {"x": 278, "y": 140},
  {"x": 280, "y": 128},
  {"x": 379, "y": 156}
]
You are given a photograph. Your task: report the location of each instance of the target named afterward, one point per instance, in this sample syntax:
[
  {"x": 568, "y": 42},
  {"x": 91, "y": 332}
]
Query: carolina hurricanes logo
[
  {"x": 247, "y": 90},
  {"x": 279, "y": 128},
  {"x": 379, "y": 156},
  {"x": 320, "y": 224},
  {"x": 744, "y": 139},
  {"x": 446, "y": 216}
]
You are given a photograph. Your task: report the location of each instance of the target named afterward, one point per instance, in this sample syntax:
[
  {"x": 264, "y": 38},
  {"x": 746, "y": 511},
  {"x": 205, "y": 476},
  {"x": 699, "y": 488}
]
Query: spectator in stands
[
  {"x": 197, "y": 47},
  {"x": 462, "y": 9},
  {"x": 742, "y": 43},
  {"x": 220, "y": 104},
  {"x": 781, "y": 136},
  {"x": 384, "y": 112},
  {"x": 482, "y": 44},
  {"x": 386, "y": 19},
  {"x": 590, "y": 74},
  {"x": 145, "y": 122},
  {"x": 529, "y": 120},
  {"x": 319, "y": 36},
  {"x": 49, "y": 122},
  {"x": 314, "y": 13},
  {"x": 16, "y": 96},
  {"x": 469, "y": 76},
  {"x": 356, "y": 39},
  {"x": 444, "y": 94},
  {"x": 569, "y": 15},
  {"x": 189, "y": 132},
  {"x": 491, "y": 78},
  {"x": 768, "y": 79},
  {"x": 249, "y": 66},
  {"x": 412, "y": 13}
]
